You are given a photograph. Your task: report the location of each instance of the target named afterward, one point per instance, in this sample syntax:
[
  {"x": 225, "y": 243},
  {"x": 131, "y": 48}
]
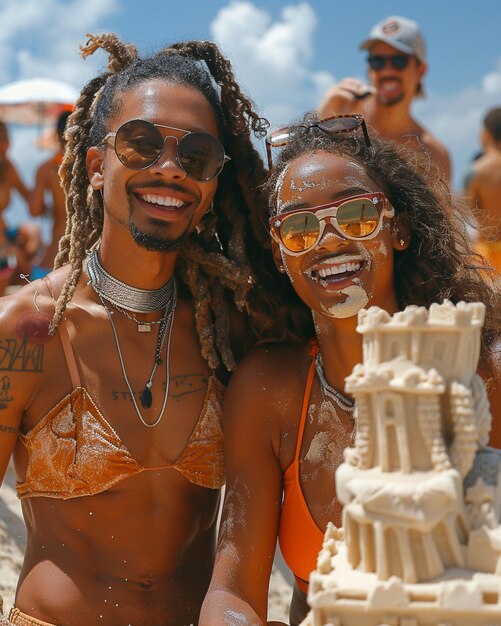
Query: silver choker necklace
[
  {"x": 341, "y": 400},
  {"x": 125, "y": 296}
]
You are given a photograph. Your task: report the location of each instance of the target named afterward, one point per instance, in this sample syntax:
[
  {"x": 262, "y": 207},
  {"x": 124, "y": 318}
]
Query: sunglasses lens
[
  {"x": 400, "y": 61},
  {"x": 138, "y": 144},
  {"x": 339, "y": 124},
  {"x": 201, "y": 156},
  {"x": 358, "y": 218},
  {"x": 376, "y": 63},
  {"x": 299, "y": 231}
]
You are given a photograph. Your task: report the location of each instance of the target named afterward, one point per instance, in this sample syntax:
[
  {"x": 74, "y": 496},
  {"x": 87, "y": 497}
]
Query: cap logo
[{"x": 390, "y": 28}]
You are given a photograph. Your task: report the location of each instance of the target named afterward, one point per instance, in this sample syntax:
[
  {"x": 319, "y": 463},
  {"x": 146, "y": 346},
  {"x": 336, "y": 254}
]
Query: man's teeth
[
  {"x": 162, "y": 200},
  {"x": 353, "y": 266}
]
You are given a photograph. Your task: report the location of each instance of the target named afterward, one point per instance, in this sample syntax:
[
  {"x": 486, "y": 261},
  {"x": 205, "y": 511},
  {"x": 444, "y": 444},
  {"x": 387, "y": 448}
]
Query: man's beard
[
  {"x": 154, "y": 242},
  {"x": 389, "y": 99}
]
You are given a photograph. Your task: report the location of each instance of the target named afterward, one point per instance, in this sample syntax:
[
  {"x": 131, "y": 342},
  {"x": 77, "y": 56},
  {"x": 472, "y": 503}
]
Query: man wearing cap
[{"x": 396, "y": 66}]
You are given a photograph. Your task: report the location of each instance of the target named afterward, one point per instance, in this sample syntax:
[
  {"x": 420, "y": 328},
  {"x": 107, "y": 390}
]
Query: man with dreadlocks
[{"x": 110, "y": 400}]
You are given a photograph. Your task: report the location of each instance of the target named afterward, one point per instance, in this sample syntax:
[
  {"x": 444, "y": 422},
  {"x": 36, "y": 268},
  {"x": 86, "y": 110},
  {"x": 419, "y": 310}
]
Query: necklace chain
[
  {"x": 143, "y": 326},
  {"x": 164, "y": 330},
  {"x": 341, "y": 400},
  {"x": 125, "y": 296}
]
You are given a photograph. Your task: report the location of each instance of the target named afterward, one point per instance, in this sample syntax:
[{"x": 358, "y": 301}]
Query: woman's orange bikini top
[
  {"x": 299, "y": 536},
  {"x": 73, "y": 451}
]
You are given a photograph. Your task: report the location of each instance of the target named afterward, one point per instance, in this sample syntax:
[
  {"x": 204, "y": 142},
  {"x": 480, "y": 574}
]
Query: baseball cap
[{"x": 400, "y": 33}]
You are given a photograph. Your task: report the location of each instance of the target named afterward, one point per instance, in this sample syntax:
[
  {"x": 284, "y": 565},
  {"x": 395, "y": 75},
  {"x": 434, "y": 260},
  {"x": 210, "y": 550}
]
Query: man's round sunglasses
[
  {"x": 330, "y": 125},
  {"x": 397, "y": 61},
  {"x": 357, "y": 217},
  {"x": 139, "y": 144}
]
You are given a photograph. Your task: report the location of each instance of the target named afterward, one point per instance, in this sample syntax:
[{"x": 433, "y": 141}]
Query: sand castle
[{"x": 421, "y": 537}]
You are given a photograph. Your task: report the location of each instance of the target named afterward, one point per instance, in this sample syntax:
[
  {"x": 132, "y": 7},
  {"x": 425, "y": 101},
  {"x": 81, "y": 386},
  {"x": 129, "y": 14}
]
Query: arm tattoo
[
  {"x": 18, "y": 356},
  {"x": 5, "y": 396}
]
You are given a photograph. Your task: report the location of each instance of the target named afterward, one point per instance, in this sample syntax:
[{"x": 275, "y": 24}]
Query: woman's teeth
[
  {"x": 354, "y": 266},
  {"x": 162, "y": 200}
]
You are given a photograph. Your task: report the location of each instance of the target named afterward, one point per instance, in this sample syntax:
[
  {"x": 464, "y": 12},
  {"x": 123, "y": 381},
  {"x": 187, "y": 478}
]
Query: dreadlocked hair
[
  {"x": 213, "y": 260},
  {"x": 440, "y": 262}
]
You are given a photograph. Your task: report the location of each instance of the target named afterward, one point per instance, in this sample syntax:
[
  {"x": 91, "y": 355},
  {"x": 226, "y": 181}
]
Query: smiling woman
[{"x": 354, "y": 224}]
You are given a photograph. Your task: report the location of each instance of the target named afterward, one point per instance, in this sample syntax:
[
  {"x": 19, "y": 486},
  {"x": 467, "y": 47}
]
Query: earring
[
  {"x": 402, "y": 242},
  {"x": 281, "y": 268}
]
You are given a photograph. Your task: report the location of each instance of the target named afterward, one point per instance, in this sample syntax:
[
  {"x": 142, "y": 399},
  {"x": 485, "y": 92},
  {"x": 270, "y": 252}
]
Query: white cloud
[{"x": 273, "y": 60}]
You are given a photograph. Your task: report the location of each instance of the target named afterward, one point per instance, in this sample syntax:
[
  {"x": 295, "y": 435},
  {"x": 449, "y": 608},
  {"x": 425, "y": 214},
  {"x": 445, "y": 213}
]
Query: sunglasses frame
[
  {"x": 323, "y": 211},
  {"x": 178, "y": 141},
  {"x": 389, "y": 58},
  {"x": 273, "y": 143}
]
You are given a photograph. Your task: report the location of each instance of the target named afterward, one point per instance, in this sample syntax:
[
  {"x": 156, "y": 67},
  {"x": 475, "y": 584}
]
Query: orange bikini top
[
  {"x": 73, "y": 451},
  {"x": 299, "y": 536}
]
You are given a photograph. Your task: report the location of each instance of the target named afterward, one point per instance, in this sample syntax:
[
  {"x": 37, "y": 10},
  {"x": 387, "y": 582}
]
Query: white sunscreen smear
[{"x": 356, "y": 300}]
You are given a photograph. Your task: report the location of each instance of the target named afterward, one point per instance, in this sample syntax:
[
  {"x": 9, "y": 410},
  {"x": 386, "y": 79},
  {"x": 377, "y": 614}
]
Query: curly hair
[
  {"x": 440, "y": 261},
  {"x": 214, "y": 259}
]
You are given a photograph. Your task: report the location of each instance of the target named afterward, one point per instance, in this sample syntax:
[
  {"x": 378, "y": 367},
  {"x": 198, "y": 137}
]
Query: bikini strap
[
  {"x": 69, "y": 355},
  {"x": 64, "y": 336},
  {"x": 306, "y": 400}
]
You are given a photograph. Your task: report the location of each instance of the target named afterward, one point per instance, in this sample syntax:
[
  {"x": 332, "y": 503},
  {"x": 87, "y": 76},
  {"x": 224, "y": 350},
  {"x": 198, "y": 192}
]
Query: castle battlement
[
  {"x": 446, "y": 337},
  {"x": 444, "y": 317}
]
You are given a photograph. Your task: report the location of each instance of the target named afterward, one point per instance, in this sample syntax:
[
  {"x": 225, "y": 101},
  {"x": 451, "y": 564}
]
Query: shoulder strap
[
  {"x": 64, "y": 336},
  {"x": 69, "y": 355},
  {"x": 306, "y": 401}
]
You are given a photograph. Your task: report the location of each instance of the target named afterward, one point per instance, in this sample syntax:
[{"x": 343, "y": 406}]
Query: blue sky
[{"x": 285, "y": 53}]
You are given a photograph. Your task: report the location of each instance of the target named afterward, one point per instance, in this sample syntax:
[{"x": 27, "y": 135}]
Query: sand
[{"x": 13, "y": 541}]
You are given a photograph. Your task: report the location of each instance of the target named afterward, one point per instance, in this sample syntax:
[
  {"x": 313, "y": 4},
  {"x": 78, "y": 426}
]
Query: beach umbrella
[{"x": 35, "y": 101}]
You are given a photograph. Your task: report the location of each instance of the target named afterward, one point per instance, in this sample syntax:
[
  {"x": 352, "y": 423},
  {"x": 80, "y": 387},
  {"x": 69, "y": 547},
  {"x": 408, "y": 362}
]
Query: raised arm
[
  {"x": 347, "y": 96},
  {"x": 238, "y": 591}
]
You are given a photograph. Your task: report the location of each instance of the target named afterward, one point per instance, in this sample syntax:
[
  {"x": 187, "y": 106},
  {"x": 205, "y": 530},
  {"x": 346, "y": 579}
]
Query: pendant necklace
[
  {"x": 164, "y": 331},
  {"x": 129, "y": 300},
  {"x": 341, "y": 400}
]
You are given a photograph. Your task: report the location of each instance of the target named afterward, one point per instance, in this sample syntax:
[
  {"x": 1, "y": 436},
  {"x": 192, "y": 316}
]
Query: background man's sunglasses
[
  {"x": 330, "y": 125},
  {"x": 139, "y": 144},
  {"x": 358, "y": 217},
  {"x": 378, "y": 61}
]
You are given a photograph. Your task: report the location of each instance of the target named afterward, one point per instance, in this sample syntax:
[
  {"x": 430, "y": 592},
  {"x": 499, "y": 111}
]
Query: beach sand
[{"x": 13, "y": 541}]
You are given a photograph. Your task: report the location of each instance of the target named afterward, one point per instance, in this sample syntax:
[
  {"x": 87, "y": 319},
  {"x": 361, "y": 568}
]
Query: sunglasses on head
[
  {"x": 397, "y": 61},
  {"x": 357, "y": 217},
  {"x": 330, "y": 125},
  {"x": 139, "y": 144}
]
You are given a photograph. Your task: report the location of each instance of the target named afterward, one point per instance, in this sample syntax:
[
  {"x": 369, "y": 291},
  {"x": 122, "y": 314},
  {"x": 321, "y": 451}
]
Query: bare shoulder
[
  {"x": 437, "y": 150},
  {"x": 270, "y": 379},
  {"x": 487, "y": 165},
  {"x": 29, "y": 310}
]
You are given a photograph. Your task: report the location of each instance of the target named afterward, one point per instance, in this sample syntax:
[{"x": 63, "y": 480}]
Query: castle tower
[{"x": 409, "y": 546}]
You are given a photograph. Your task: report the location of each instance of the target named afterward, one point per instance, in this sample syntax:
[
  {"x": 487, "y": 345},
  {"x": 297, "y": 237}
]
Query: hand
[{"x": 346, "y": 96}]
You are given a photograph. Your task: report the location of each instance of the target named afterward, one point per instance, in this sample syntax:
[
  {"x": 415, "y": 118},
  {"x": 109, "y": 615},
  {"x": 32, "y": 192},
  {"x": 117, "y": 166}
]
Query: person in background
[
  {"x": 47, "y": 181},
  {"x": 396, "y": 66},
  {"x": 354, "y": 224},
  {"x": 482, "y": 186},
  {"x": 18, "y": 245}
]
